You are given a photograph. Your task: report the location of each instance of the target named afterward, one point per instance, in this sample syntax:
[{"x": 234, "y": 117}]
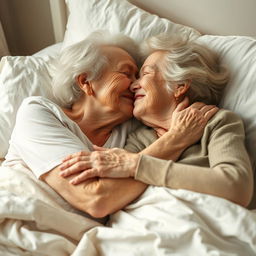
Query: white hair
[
  {"x": 87, "y": 57},
  {"x": 189, "y": 61}
]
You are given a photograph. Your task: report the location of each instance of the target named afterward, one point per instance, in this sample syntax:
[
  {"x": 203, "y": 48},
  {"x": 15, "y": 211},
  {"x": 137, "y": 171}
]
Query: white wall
[
  {"x": 27, "y": 25},
  {"x": 219, "y": 17}
]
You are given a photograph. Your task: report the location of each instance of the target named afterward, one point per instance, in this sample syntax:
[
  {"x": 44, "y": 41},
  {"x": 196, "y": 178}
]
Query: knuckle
[
  {"x": 79, "y": 165},
  {"x": 67, "y": 171},
  {"x": 80, "y": 153}
]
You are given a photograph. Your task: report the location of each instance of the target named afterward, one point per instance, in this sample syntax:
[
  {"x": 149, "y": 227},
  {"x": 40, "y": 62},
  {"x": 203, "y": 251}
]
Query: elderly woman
[
  {"x": 217, "y": 165},
  {"x": 91, "y": 81}
]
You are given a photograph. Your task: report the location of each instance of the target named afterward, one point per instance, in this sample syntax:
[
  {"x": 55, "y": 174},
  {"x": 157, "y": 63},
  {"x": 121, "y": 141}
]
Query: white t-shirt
[{"x": 43, "y": 135}]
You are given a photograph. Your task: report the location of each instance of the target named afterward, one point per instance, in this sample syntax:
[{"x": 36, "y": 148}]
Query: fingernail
[{"x": 73, "y": 182}]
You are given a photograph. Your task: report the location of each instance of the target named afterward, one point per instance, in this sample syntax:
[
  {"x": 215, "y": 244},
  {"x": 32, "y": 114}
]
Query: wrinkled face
[
  {"x": 112, "y": 88},
  {"x": 151, "y": 95}
]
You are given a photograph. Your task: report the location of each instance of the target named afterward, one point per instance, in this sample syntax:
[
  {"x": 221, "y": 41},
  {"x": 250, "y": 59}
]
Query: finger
[
  {"x": 183, "y": 104},
  {"x": 67, "y": 158},
  {"x": 84, "y": 176},
  {"x": 197, "y": 105},
  {"x": 80, "y": 153},
  {"x": 72, "y": 161},
  {"x": 99, "y": 148},
  {"x": 206, "y": 108},
  {"x": 211, "y": 113},
  {"x": 78, "y": 167}
]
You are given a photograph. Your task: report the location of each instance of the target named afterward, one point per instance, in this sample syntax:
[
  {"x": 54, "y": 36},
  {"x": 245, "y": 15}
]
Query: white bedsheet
[{"x": 34, "y": 221}]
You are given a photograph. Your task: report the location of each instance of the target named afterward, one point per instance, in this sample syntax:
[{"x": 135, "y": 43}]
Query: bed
[{"x": 34, "y": 220}]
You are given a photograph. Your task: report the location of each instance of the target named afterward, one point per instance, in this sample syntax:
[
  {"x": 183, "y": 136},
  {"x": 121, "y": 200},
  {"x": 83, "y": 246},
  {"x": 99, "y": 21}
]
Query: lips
[{"x": 138, "y": 96}]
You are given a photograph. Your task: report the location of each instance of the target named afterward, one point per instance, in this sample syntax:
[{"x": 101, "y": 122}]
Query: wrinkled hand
[
  {"x": 188, "y": 122},
  {"x": 113, "y": 163}
]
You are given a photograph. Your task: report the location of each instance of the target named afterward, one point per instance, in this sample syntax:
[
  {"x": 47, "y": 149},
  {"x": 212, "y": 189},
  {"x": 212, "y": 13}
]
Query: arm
[
  {"x": 186, "y": 128},
  {"x": 35, "y": 141},
  {"x": 229, "y": 174},
  {"x": 98, "y": 197},
  {"x": 220, "y": 166}
]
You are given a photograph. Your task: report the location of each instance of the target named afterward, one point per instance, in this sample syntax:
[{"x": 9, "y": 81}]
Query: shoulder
[
  {"x": 36, "y": 104},
  {"x": 227, "y": 121},
  {"x": 36, "y": 101},
  {"x": 224, "y": 116},
  {"x": 36, "y": 108}
]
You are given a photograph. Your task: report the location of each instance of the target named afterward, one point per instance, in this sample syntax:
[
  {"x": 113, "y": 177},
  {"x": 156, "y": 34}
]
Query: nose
[{"x": 134, "y": 86}]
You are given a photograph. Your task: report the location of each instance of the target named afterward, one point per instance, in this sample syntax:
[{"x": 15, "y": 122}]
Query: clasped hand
[{"x": 114, "y": 163}]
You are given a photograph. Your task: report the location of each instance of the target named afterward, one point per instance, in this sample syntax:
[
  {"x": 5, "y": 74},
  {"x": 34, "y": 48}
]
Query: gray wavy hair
[
  {"x": 189, "y": 61},
  {"x": 85, "y": 57}
]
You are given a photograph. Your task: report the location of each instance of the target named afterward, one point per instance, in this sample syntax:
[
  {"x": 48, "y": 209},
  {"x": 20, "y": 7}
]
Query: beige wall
[
  {"x": 219, "y": 17},
  {"x": 27, "y": 25}
]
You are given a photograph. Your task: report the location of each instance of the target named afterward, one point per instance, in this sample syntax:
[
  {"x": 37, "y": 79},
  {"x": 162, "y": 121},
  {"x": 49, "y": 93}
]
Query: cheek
[
  {"x": 157, "y": 96},
  {"x": 115, "y": 85},
  {"x": 152, "y": 90}
]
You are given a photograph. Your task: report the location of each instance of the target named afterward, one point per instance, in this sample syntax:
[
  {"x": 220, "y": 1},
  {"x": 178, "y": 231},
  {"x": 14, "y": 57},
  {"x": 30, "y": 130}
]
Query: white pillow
[
  {"x": 239, "y": 54},
  {"x": 20, "y": 77},
  {"x": 86, "y": 16}
]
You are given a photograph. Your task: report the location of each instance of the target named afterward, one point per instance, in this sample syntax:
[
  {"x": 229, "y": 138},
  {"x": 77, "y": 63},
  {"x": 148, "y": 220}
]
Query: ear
[
  {"x": 81, "y": 80},
  {"x": 84, "y": 84},
  {"x": 181, "y": 89}
]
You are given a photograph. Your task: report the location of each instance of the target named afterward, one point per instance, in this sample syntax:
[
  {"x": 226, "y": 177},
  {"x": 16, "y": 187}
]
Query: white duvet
[{"x": 34, "y": 220}]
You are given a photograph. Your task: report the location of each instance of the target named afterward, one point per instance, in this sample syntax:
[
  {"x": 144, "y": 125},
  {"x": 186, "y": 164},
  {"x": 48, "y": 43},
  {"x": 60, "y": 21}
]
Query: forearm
[
  {"x": 230, "y": 182},
  {"x": 115, "y": 194},
  {"x": 97, "y": 197},
  {"x": 168, "y": 147}
]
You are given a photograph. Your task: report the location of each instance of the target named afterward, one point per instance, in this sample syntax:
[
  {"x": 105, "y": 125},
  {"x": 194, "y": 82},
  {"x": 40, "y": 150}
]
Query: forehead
[
  {"x": 118, "y": 56},
  {"x": 154, "y": 58}
]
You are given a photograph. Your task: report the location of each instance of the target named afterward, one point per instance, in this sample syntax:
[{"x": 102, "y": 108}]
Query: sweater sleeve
[{"x": 229, "y": 173}]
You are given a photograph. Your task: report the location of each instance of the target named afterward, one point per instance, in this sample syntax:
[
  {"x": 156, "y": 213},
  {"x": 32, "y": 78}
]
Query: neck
[
  {"x": 157, "y": 122},
  {"x": 160, "y": 122},
  {"x": 95, "y": 121}
]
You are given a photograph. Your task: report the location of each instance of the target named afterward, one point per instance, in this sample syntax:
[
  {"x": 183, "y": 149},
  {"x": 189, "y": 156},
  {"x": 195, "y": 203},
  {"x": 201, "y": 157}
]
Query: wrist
[
  {"x": 134, "y": 163},
  {"x": 178, "y": 143}
]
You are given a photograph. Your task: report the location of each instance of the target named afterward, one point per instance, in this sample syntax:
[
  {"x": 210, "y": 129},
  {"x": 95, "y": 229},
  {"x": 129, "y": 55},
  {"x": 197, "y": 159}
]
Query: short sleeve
[{"x": 41, "y": 138}]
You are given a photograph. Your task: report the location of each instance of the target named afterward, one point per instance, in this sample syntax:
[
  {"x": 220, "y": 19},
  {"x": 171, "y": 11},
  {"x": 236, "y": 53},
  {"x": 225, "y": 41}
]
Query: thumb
[
  {"x": 99, "y": 148},
  {"x": 183, "y": 104}
]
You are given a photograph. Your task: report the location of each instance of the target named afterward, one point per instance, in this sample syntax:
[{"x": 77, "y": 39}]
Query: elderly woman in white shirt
[
  {"x": 218, "y": 164},
  {"x": 91, "y": 81}
]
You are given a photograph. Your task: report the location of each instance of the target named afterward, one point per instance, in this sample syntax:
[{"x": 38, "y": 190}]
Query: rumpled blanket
[{"x": 34, "y": 220}]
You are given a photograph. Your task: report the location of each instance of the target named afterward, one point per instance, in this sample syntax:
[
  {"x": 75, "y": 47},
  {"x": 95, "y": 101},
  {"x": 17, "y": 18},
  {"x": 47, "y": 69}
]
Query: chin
[{"x": 137, "y": 115}]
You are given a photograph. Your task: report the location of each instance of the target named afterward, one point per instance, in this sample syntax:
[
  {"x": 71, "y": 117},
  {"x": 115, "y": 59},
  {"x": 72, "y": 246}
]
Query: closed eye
[
  {"x": 144, "y": 73},
  {"x": 146, "y": 70},
  {"x": 126, "y": 73}
]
